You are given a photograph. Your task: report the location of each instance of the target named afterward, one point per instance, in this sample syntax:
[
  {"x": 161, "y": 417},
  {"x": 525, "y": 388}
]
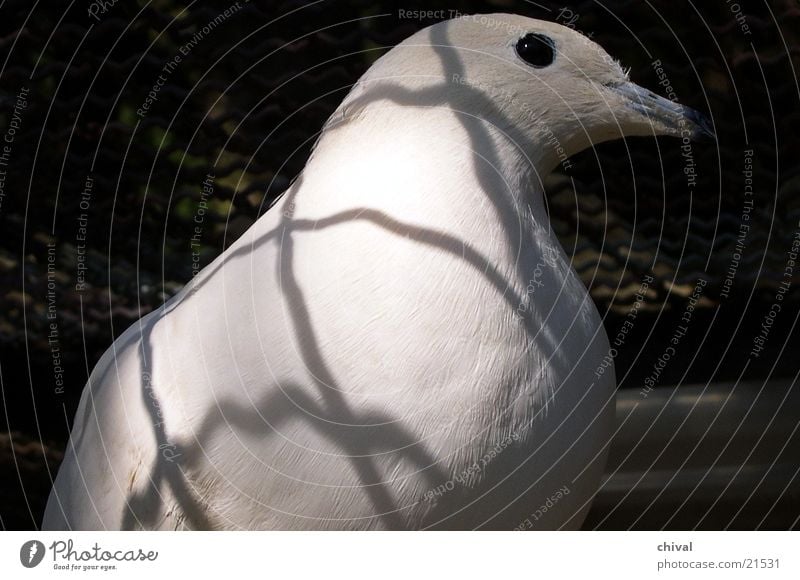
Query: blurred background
[{"x": 97, "y": 204}]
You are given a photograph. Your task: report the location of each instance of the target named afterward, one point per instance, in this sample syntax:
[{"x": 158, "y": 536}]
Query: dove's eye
[{"x": 536, "y": 49}]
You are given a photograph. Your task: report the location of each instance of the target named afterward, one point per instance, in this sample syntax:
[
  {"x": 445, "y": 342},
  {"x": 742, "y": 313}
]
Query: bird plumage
[{"x": 399, "y": 343}]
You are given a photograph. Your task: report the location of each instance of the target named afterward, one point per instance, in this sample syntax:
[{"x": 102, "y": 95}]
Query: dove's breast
[{"x": 403, "y": 350}]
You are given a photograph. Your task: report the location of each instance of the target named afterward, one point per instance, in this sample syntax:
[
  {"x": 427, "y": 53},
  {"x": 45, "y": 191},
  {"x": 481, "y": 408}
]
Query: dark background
[{"x": 246, "y": 104}]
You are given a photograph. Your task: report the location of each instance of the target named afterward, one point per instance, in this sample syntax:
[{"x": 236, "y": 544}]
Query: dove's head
[{"x": 537, "y": 81}]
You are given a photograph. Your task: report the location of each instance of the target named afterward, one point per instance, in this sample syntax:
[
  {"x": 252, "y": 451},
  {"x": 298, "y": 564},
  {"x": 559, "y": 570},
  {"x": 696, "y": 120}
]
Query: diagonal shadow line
[
  {"x": 142, "y": 508},
  {"x": 293, "y": 395},
  {"x": 333, "y": 400},
  {"x": 275, "y": 408},
  {"x": 427, "y": 236},
  {"x": 441, "y": 95},
  {"x": 435, "y": 239}
]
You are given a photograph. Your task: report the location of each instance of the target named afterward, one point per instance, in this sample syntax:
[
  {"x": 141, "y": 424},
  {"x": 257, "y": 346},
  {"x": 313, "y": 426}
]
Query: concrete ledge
[{"x": 718, "y": 456}]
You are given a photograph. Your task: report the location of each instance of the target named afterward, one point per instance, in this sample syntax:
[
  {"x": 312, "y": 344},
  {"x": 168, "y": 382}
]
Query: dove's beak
[{"x": 665, "y": 116}]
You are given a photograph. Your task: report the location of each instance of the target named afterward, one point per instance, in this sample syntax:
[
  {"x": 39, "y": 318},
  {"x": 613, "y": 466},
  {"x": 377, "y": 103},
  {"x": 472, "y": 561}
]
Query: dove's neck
[{"x": 433, "y": 169}]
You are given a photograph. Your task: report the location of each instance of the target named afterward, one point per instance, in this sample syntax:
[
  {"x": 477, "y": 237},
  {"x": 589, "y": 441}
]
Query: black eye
[{"x": 536, "y": 49}]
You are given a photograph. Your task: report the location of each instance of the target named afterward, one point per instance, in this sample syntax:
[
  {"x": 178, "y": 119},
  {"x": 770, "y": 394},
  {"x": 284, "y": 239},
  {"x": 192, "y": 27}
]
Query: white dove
[{"x": 399, "y": 342}]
